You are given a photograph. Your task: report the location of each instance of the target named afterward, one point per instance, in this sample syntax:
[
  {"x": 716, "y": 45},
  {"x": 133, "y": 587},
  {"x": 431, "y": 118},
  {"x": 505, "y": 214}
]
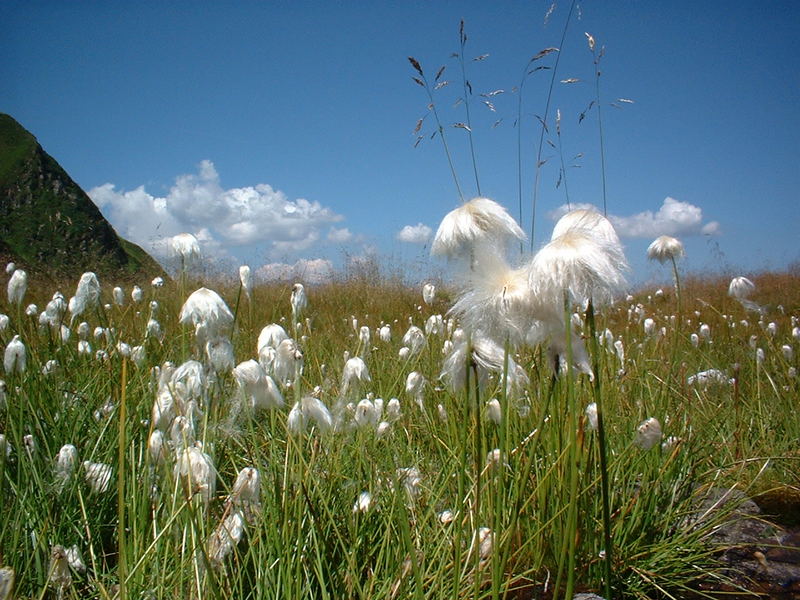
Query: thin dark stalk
[
  {"x": 563, "y": 177},
  {"x": 422, "y": 81},
  {"x": 544, "y": 119},
  {"x": 597, "y": 56},
  {"x": 467, "y": 93}
]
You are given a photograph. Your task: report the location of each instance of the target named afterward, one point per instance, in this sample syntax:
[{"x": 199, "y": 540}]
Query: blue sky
[{"x": 281, "y": 133}]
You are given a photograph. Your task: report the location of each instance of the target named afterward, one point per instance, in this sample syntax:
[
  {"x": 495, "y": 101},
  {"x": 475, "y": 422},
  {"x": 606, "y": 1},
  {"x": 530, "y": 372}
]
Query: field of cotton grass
[{"x": 533, "y": 431}]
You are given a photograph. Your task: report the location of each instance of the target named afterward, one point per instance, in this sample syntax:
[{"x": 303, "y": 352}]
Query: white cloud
[
  {"x": 232, "y": 217},
  {"x": 674, "y": 217},
  {"x": 317, "y": 270},
  {"x": 415, "y": 234},
  {"x": 339, "y": 236}
]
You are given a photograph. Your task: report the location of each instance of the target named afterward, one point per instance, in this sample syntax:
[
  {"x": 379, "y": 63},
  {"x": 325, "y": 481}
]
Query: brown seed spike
[
  {"x": 415, "y": 63},
  {"x": 439, "y": 73},
  {"x": 418, "y": 81},
  {"x": 543, "y": 53},
  {"x": 480, "y": 58}
]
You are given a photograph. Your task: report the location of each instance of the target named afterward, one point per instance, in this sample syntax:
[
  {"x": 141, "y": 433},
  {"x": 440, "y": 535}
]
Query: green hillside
[{"x": 47, "y": 222}]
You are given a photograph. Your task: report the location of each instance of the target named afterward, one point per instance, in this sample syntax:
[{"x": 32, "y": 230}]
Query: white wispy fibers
[
  {"x": 176, "y": 389},
  {"x": 153, "y": 330},
  {"x": 29, "y": 444},
  {"x": 414, "y": 339},
  {"x": 6, "y": 577},
  {"x": 494, "y": 411},
  {"x": 119, "y": 296},
  {"x": 4, "y": 321},
  {"x": 299, "y": 301},
  {"x": 367, "y": 412},
  {"x": 188, "y": 382},
  {"x": 31, "y": 310},
  {"x": 181, "y": 433},
  {"x": 205, "y": 308},
  {"x": 706, "y": 378},
  {"x": 10, "y": 268},
  {"x": 411, "y": 479},
  {"x": 474, "y": 227},
  {"x": 649, "y": 326},
  {"x": 137, "y": 294},
  {"x": 495, "y": 300},
  {"x": 158, "y": 282},
  {"x": 185, "y": 246},
  {"x": 428, "y": 293},
  {"x": 3, "y": 391},
  {"x": 665, "y": 248},
  {"x": 246, "y": 279},
  {"x": 741, "y": 288},
  {"x": 393, "y": 409},
  {"x": 75, "y": 559},
  {"x": 225, "y": 538},
  {"x": 385, "y": 334},
  {"x": 580, "y": 263},
  {"x": 246, "y": 491},
  {"x": 219, "y": 353},
  {"x": 65, "y": 463},
  {"x": 58, "y": 573},
  {"x": 5, "y": 447},
  {"x": 84, "y": 347},
  {"x": 415, "y": 387},
  {"x": 308, "y": 409},
  {"x": 87, "y": 295},
  {"x": 589, "y": 220},
  {"x": 490, "y": 358},
  {"x": 591, "y": 416},
  {"x": 363, "y": 503},
  {"x": 17, "y": 286},
  {"x": 97, "y": 475},
  {"x": 272, "y": 335},
  {"x": 288, "y": 362},
  {"x": 648, "y": 434},
  {"x": 256, "y": 386},
  {"x": 434, "y": 325},
  {"x": 195, "y": 469},
  {"x": 157, "y": 447},
  {"x": 354, "y": 375},
  {"x": 364, "y": 336},
  {"x": 15, "y": 357}
]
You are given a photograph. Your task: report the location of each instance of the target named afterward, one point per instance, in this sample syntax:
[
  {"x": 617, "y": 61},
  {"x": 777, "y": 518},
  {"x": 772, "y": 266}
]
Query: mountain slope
[{"x": 47, "y": 222}]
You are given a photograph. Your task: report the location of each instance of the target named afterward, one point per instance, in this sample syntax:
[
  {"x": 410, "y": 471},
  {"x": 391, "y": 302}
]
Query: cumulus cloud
[
  {"x": 217, "y": 216},
  {"x": 414, "y": 234},
  {"x": 339, "y": 236},
  {"x": 317, "y": 270},
  {"x": 674, "y": 217}
]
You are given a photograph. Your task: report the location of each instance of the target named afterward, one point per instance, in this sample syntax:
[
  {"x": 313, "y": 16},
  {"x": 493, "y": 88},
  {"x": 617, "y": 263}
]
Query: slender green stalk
[
  {"x": 601, "y": 435},
  {"x": 122, "y": 567}
]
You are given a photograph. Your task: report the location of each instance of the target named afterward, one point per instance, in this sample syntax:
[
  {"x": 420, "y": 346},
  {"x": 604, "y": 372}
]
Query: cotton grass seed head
[
  {"x": 475, "y": 225},
  {"x": 741, "y": 288},
  {"x": 17, "y": 286},
  {"x": 665, "y": 248},
  {"x": 185, "y": 246},
  {"x": 205, "y": 307},
  {"x": 648, "y": 434},
  {"x": 15, "y": 356}
]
